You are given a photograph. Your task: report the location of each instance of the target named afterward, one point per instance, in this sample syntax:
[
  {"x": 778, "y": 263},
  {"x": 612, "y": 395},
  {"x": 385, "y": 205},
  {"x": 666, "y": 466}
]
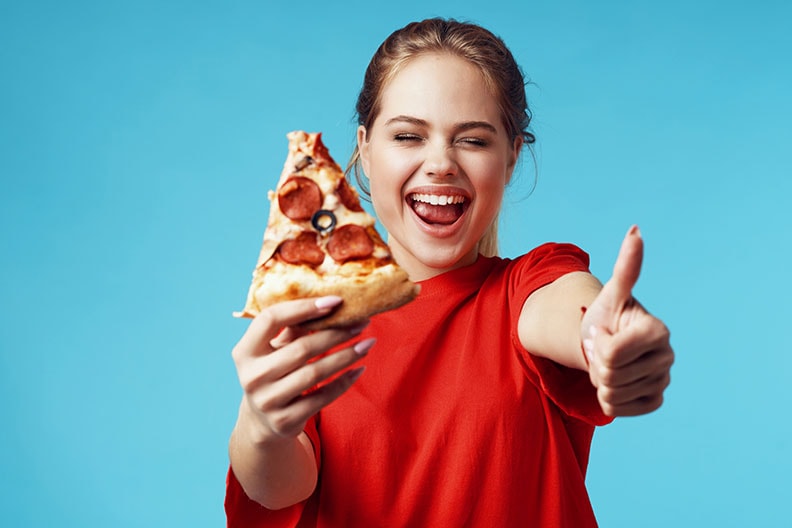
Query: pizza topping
[
  {"x": 300, "y": 165},
  {"x": 350, "y": 242},
  {"x": 323, "y": 221},
  {"x": 299, "y": 197},
  {"x": 348, "y": 196},
  {"x": 438, "y": 209},
  {"x": 318, "y": 149},
  {"x": 302, "y": 250}
]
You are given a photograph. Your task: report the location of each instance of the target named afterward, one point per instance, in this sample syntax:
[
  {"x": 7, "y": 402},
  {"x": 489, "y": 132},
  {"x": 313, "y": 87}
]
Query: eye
[
  {"x": 405, "y": 137},
  {"x": 473, "y": 141}
]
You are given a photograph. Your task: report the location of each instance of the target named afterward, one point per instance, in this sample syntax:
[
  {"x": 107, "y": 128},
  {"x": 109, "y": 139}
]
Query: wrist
[{"x": 251, "y": 427}]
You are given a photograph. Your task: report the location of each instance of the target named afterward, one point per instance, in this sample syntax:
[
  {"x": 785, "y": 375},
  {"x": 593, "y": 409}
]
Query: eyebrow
[{"x": 465, "y": 125}]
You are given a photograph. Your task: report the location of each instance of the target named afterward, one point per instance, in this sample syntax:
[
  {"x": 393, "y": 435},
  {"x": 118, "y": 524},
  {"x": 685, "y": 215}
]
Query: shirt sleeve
[
  {"x": 569, "y": 389},
  {"x": 244, "y": 512}
]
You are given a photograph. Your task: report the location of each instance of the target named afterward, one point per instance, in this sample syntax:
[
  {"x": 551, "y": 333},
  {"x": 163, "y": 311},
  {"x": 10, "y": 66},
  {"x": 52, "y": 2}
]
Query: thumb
[{"x": 619, "y": 288}]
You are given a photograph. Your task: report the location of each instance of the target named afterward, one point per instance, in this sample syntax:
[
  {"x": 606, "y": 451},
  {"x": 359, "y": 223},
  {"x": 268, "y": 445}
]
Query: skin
[
  {"x": 270, "y": 454},
  {"x": 439, "y": 133}
]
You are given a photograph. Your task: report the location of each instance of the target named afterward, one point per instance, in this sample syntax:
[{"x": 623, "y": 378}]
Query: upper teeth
[{"x": 434, "y": 199}]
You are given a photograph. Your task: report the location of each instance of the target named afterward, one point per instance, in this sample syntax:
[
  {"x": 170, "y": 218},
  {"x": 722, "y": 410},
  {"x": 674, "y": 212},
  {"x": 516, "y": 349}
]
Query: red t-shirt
[{"x": 453, "y": 423}]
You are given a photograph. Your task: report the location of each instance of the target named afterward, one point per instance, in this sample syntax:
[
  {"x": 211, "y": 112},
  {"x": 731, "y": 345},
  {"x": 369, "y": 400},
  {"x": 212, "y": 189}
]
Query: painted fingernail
[
  {"x": 593, "y": 331},
  {"x": 362, "y": 348},
  {"x": 354, "y": 374},
  {"x": 324, "y": 303}
]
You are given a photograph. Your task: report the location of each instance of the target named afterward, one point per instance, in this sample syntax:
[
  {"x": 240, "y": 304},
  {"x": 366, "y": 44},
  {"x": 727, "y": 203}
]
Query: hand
[
  {"x": 628, "y": 350},
  {"x": 279, "y": 373}
]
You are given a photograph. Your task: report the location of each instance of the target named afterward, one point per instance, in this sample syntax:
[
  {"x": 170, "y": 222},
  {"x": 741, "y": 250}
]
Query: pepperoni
[
  {"x": 302, "y": 250},
  {"x": 320, "y": 152},
  {"x": 350, "y": 242},
  {"x": 299, "y": 198},
  {"x": 348, "y": 196}
]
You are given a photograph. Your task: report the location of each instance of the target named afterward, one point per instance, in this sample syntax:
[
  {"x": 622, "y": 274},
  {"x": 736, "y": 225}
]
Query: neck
[{"x": 420, "y": 269}]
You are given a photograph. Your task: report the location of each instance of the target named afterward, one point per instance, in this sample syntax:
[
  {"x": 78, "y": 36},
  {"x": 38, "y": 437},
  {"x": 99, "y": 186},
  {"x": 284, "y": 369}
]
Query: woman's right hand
[{"x": 284, "y": 379}]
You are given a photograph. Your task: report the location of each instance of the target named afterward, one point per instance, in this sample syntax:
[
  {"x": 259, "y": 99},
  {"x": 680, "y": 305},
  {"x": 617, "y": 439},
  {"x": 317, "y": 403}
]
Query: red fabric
[{"x": 454, "y": 423}]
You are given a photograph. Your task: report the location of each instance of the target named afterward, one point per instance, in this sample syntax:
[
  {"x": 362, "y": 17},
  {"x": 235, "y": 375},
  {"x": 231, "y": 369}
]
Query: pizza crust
[{"x": 384, "y": 288}]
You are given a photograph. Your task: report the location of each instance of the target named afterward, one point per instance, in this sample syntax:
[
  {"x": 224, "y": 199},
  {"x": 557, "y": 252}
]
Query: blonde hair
[{"x": 468, "y": 41}]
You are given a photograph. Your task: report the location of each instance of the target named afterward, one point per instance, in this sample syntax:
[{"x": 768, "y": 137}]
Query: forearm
[
  {"x": 549, "y": 323},
  {"x": 275, "y": 472}
]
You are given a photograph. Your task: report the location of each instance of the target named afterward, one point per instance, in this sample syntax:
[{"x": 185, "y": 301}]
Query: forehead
[{"x": 440, "y": 84}]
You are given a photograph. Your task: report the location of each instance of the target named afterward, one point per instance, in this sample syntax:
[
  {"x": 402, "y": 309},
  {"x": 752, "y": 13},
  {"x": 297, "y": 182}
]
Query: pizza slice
[{"x": 320, "y": 241}]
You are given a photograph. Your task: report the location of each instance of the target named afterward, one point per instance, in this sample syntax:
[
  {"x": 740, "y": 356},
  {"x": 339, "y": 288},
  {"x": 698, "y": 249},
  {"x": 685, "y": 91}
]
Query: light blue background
[{"x": 137, "y": 142}]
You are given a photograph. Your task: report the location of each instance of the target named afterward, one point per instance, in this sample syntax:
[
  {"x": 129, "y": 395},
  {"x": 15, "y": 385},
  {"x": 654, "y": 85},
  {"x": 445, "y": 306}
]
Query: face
[{"x": 438, "y": 158}]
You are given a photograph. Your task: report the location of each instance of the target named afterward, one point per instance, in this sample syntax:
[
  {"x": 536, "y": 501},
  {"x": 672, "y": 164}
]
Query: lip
[{"x": 439, "y": 230}]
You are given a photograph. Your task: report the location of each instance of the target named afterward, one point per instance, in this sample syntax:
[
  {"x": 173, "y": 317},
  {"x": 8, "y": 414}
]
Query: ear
[
  {"x": 363, "y": 149},
  {"x": 514, "y": 154},
  {"x": 515, "y": 150}
]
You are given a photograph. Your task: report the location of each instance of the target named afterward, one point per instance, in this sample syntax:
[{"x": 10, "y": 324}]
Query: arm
[
  {"x": 275, "y": 473},
  {"x": 549, "y": 324},
  {"x": 626, "y": 350},
  {"x": 277, "y": 364}
]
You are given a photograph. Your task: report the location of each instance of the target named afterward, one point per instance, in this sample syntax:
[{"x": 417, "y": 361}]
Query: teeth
[{"x": 434, "y": 199}]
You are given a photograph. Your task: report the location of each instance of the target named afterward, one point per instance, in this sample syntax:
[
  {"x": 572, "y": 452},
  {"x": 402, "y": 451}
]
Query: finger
[
  {"x": 315, "y": 374},
  {"x": 292, "y": 333},
  {"x": 287, "y": 335},
  {"x": 651, "y": 365},
  {"x": 634, "y": 408},
  {"x": 270, "y": 321},
  {"x": 616, "y": 367},
  {"x": 626, "y": 269},
  {"x": 315, "y": 401},
  {"x": 271, "y": 367},
  {"x": 639, "y": 390},
  {"x": 291, "y": 419},
  {"x": 644, "y": 334}
]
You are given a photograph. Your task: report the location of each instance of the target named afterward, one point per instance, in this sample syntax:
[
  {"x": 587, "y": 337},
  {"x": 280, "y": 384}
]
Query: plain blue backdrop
[{"x": 137, "y": 143}]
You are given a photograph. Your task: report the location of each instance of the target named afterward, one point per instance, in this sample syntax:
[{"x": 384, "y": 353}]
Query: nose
[{"x": 439, "y": 161}]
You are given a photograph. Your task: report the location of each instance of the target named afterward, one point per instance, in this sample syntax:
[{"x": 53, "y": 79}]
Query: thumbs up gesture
[{"x": 627, "y": 349}]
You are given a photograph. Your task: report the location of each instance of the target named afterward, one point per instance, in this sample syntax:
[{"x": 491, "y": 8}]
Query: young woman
[{"x": 479, "y": 401}]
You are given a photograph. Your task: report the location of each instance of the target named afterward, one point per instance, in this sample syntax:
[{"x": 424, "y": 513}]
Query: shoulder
[
  {"x": 556, "y": 254},
  {"x": 546, "y": 263}
]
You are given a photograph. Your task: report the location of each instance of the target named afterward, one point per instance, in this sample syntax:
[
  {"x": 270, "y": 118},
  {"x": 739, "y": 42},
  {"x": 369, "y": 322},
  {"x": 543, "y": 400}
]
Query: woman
[{"x": 478, "y": 405}]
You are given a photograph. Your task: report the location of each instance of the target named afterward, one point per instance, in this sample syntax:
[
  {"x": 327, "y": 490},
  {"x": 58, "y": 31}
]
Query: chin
[{"x": 447, "y": 260}]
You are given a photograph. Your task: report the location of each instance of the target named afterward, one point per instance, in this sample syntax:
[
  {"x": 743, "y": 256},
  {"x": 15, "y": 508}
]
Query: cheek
[
  {"x": 490, "y": 184},
  {"x": 491, "y": 176},
  {"x": 388, "y": 172},
  {"x": 379, "y": 191},
  {"x": 385, "y": 186}
]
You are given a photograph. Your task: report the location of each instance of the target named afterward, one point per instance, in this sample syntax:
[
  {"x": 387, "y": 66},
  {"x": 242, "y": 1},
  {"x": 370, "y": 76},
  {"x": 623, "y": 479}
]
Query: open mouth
[{"x": 438, "y": 208}]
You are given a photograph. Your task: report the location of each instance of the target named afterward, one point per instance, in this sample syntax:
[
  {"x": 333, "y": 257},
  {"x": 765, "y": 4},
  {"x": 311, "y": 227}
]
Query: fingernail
[
  {"x": 362, "y": 348},
  {"x": 323, "y": 303},
  {"x": 635, "y": 230},
  {"x": 354, "y": 374},
  {"x": 593, "y": 331}
]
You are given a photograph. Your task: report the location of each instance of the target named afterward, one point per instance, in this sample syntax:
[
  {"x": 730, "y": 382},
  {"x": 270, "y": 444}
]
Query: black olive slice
[
  {"x": 300, "y": 165},
  {"x": 323, "y": 221}
]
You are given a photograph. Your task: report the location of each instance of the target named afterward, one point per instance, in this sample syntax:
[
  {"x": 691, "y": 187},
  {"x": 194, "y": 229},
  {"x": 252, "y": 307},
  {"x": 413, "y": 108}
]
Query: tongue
[{"x": 438, "y": 214}]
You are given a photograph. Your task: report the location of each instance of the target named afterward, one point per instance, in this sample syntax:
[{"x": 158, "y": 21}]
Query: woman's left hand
[{"x": 628, "y": 349}]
